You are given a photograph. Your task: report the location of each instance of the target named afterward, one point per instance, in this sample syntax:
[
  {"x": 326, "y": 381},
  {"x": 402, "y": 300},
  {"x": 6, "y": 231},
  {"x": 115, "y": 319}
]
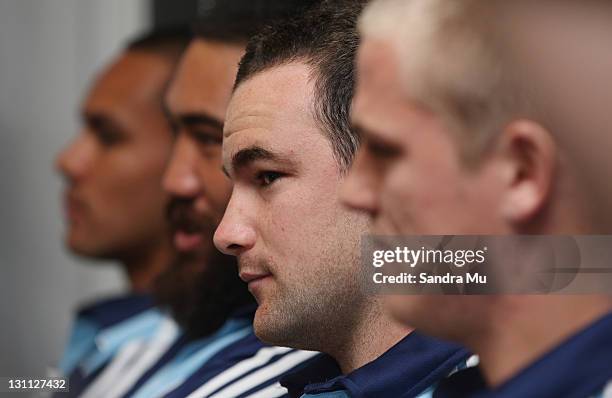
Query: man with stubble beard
[
  {"x": 287, "y": 145},
  {"x": 207, "y": 347}
]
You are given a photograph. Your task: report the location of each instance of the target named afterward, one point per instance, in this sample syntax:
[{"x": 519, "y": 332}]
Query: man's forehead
[
  {"x": 181, "y": 100},
  {"x": 378, "y": 65},
  {"x": 249, "y": 144},
  {"x": 380, "y": 104},
  {"x": 279, "y": 98},
  {"x": 204, "y": 79},
  {"x": 369, "y": 82},
  {"x": 257, "y": 118},
  {"x": 272, "y": 113},
  {"x": 135, "y": 73},
  {"x": 207, "y": 62},
  {"x": 134, "y": 82}
]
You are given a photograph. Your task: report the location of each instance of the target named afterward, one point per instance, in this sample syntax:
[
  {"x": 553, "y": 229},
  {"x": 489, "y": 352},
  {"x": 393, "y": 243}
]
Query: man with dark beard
[
  {"x": 199, "y": 298},
  {"x": 208, "y": 348}
]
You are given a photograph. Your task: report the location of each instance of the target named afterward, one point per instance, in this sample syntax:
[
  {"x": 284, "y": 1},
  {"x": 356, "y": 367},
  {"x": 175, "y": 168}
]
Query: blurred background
[{"x": 49, "y": 52}]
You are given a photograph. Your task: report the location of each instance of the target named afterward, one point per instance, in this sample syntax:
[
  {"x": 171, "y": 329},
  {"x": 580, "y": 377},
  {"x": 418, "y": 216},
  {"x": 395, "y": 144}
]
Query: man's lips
[
  {"x": 255, "y": 282},
  {"x": 252, "y": 277},
  {"x": 73, "y": 207},
  {"x": 191, "y": 230},
  {"x": 187, "y": 241}
]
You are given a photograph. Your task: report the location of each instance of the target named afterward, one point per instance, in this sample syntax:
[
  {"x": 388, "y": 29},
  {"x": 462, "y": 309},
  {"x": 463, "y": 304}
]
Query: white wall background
[{"x": 49, "y": 50}]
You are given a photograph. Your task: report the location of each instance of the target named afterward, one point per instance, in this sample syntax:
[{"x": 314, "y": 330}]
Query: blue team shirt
[
  {"x": 242, "y": 370},
  {"x": 100, "y": 330},
  {"x": 407, "y": 370},
  {"x": 581, "y": 367},
  {"x": 231, "y": 362}
]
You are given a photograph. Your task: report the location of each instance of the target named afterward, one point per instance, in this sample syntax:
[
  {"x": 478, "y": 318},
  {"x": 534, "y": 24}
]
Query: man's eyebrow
[
  {"x": 98, "y": 121},
  {"x": 376, "y": 143},
  {"x": 359, "y": 130},
  {"x": 199, "y": 119},
  {"x": 246, "y": 156},
  {"x": 367, "y": 135}
]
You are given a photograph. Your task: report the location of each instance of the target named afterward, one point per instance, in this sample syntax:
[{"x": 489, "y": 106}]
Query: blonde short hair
[{"x": 451, "y": 62}]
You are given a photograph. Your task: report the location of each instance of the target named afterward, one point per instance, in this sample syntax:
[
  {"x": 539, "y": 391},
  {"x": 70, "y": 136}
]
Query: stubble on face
[
  {"x": 306, "y": 245},
  {"x": 319, "y": 301}
]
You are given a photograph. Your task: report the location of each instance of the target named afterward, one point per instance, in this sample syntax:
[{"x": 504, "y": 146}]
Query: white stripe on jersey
[
  {"x": 131, "y": 363},
  {"x": 607, "y": 391},
  {"x": 273, "y": 391},
  {"x": 261, "y": 358},
  {"x": 273, "y": 370}
]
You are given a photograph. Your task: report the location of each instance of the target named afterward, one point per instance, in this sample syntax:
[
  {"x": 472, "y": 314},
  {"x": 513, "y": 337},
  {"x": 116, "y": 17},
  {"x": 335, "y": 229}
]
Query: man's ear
[{"x": 530, "y": 158}]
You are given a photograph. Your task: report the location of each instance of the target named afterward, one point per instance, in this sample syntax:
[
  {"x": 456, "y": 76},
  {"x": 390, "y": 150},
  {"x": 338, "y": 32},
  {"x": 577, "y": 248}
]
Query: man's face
[
  {"x": 297, "y": 247},
  {"x": 408, "y": 175},
  {"x": 201, "y": 286},
  {"x": 197, "y": 100},
  {"x": 113, "y": 168}
]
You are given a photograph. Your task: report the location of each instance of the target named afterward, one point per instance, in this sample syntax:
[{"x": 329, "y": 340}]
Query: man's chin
[
  {"x": 264, "y": 324},
  {"x": 271, "y": 327},
  {"x": 87, "y": 250}
]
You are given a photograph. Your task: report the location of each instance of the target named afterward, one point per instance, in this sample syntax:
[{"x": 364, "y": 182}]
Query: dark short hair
[
  {"x": 326, "y": 39},
  {"x": 236, "y": 21}
]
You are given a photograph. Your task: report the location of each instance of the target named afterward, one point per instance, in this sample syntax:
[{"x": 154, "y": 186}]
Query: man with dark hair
[
  {"x": 208, "y": 348},
  {"x": 287, "y": 144},
  {"x": 485, "y": 117},
  {"x": 114, "y": 201}
]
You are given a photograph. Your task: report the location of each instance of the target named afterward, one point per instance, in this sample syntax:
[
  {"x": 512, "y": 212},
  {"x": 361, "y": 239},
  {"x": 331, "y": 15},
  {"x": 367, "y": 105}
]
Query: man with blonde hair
[{"x": 466, "y": 132}]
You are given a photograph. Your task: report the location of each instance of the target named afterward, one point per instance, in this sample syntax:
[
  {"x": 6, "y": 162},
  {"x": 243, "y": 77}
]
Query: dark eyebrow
[
  {"x": 99, "y": 121},
  {"x": 200, "y": 119},
  {"x": 246, "y": 156},
  {"x": 367, "y": 135},
  {"x": 359, "y": 130}
]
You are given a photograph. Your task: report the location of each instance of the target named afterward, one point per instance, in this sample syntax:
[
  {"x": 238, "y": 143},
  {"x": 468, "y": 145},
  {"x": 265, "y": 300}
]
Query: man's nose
[
  {"x": 360, "y": 188},
  {"x": 234, "y": 235},
  {"x": 74, "y": 161},
  {"x": 181, "y": 178}
]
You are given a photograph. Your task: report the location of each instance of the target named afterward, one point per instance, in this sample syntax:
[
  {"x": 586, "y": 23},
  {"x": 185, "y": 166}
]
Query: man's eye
[
  {"x": 266, "y": 178},
  {"x": 205, "y": 138},
  {"x": 108, "y": 137},
  {"x": 381, "y": 150},
  {"x": 175, "y": 128}
]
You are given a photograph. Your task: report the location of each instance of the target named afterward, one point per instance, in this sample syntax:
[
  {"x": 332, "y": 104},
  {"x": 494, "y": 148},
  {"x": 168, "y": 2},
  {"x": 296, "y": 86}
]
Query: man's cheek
[{"x": 393, "y": 205}]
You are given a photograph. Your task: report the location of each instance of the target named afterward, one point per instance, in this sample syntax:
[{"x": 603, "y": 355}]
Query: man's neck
[
  {"x": 373, "y": 336},
  {"x": 528, "y": 328}
]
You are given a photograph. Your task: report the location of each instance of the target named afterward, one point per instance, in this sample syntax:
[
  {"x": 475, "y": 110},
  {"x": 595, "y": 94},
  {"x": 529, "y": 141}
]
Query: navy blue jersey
[
  {"x": 408, "y": 369},
  {"x": 581, "y": 367}
]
